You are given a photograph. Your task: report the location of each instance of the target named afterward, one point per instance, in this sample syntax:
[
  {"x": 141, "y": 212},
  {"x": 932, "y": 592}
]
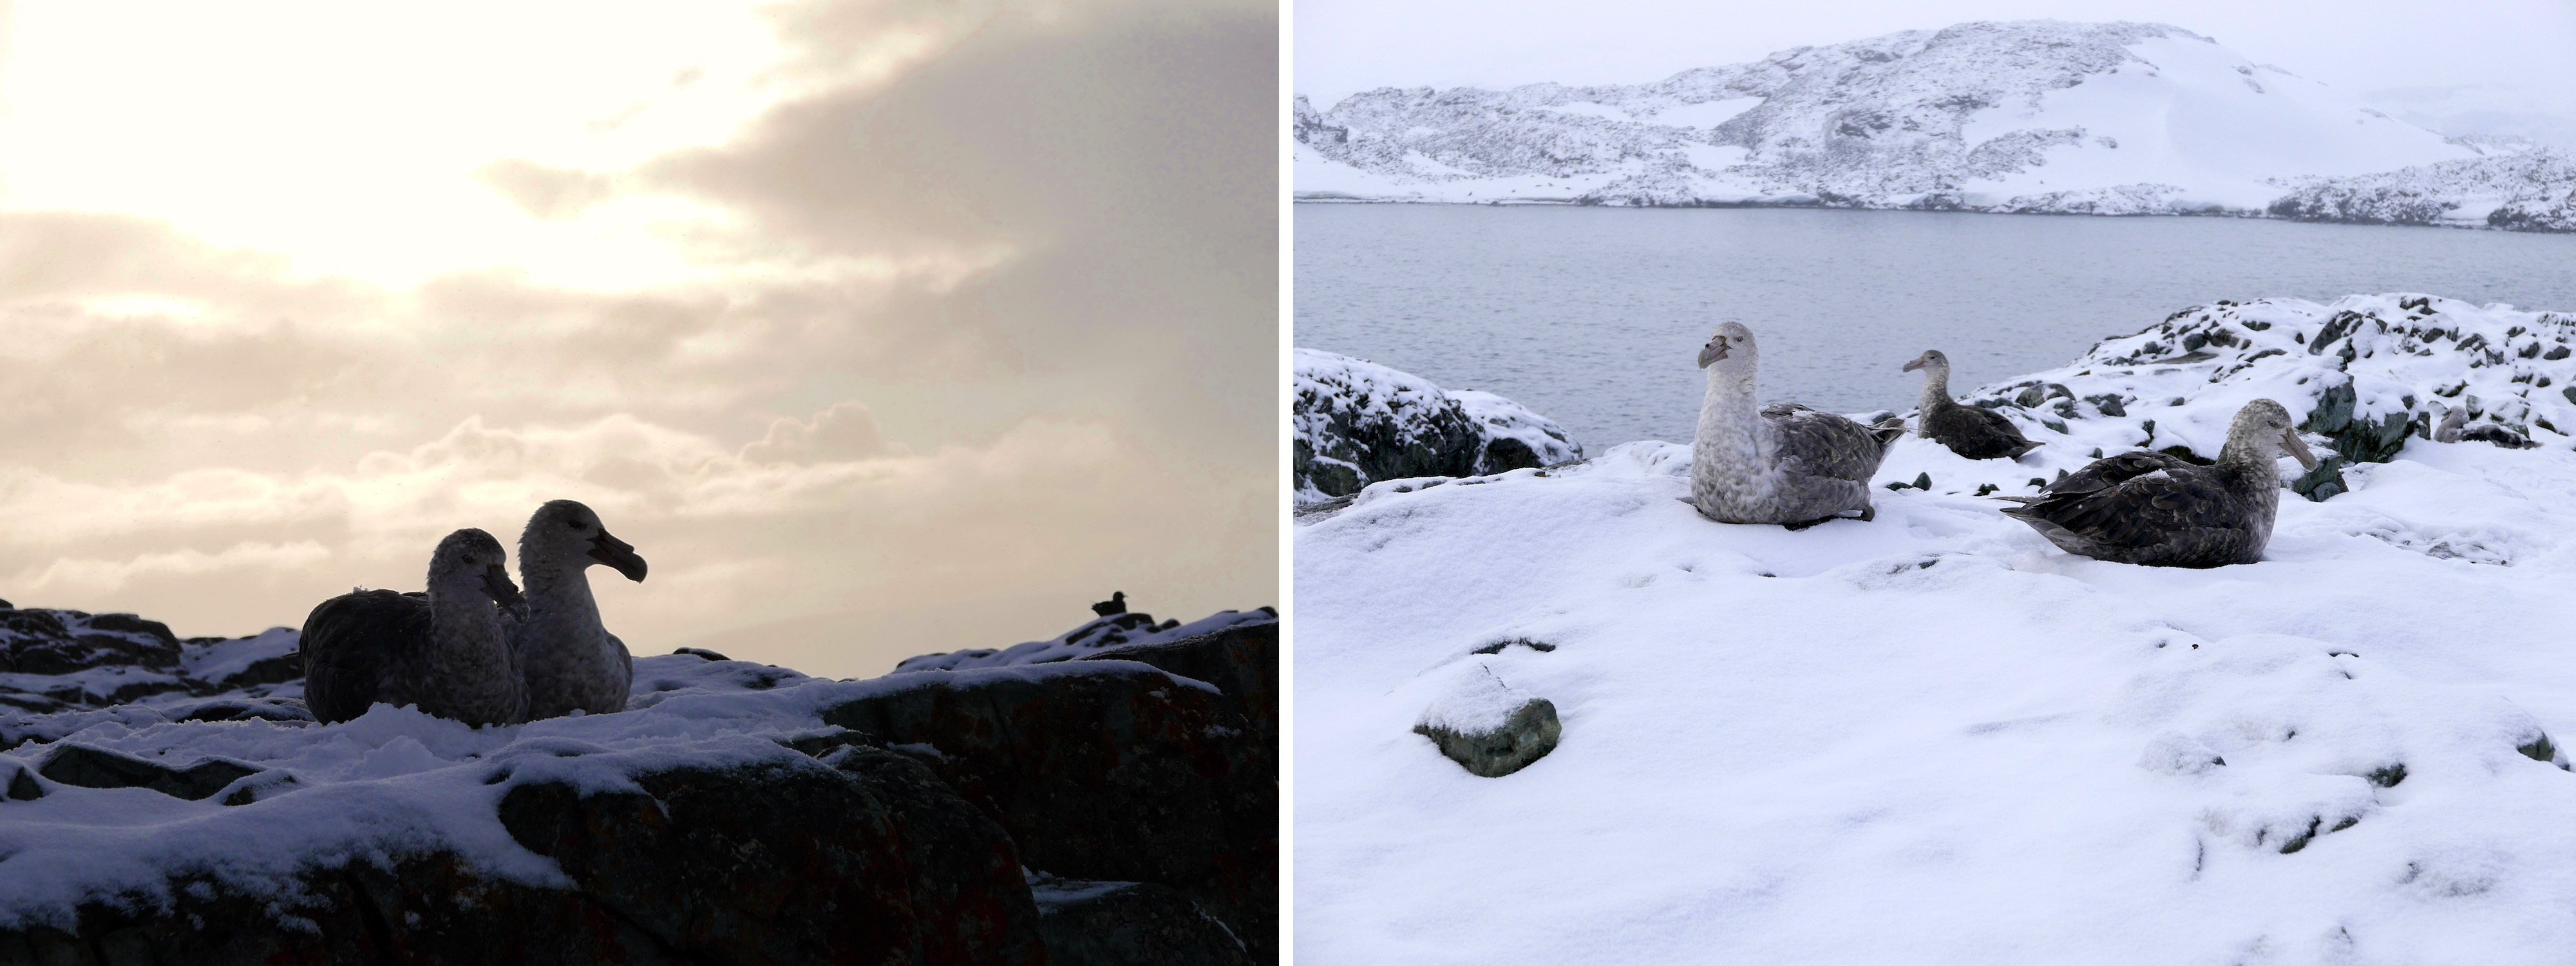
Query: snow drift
[{"x": 1937, "y": 738}]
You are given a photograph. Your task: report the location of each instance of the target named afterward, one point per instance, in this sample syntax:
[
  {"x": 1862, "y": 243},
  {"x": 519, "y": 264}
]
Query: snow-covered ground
[
  {"x": 2029, "y": 116},
  {"x": 1936, "y": 738},
  {"x": 394, "y": 781}
]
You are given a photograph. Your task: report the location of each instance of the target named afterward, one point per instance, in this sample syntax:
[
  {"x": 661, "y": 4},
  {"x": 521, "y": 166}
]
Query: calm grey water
[{"x": 1593, "y": 316}]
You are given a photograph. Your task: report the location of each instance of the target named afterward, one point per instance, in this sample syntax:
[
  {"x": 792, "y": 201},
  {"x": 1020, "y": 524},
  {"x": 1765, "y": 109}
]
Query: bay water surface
[{"x": 1593, "y": 317}]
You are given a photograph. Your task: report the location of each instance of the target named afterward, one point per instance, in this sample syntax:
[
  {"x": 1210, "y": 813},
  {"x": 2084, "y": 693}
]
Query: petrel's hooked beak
[
  {"x": 2298, "y": 449},
  {"x": 617, "y": 553},
  {"x": 496, "y": 582},
  {"x": 1713, "y": 351},
  {"x": 1911, "y": 366}
]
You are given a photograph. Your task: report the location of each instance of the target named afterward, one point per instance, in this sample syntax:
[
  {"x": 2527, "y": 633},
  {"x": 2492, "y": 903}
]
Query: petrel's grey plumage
[
  {"x": 1783, "y": 463},
  {"x": 445, "y": 651},
  {"x": 569, "y": 661},
  {"x": 1970, "y": 431},
  {"x": 2455, "y": 429},
  {"x": 2160, "y": 510}
]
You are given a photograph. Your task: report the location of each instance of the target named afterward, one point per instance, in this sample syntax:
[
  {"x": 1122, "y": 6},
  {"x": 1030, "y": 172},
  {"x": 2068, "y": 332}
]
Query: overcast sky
[
  {"x": 2515, "y": 51},
  {"x": 878, "y": 327}
]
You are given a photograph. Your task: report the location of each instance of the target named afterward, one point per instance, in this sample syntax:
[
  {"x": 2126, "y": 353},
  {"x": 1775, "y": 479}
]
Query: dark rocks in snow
[
  {"x": 89, "y": 767},
  {"x": 696, "y": 866},
  {"x": 64, "y": 641},
  {"x": 72, "y": 658},
  {"x": 1105, "y": 770},
  {"x": 1357, "y": 423},
  {"x": 1489, "y": 728},
  {"x": 733, "y": 864},
  {"x": 1242, "y": 661},
  {"x": 2539, "y": 748},
  {"x": 246, "y": 709},
  {"x": 702, "y": 653},
  {"x": 1124, "y": 923},
  {"x": 909, "y": 841},
  {"x": 23, "y": 786}
]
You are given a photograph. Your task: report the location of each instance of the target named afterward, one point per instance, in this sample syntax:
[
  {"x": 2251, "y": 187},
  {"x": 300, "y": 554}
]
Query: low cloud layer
[{"x": 977, "y": 324}]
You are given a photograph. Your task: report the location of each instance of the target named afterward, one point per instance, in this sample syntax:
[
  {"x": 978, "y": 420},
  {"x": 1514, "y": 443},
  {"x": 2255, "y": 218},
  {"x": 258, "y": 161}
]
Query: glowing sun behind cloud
[{"x": 878, "y": 327}]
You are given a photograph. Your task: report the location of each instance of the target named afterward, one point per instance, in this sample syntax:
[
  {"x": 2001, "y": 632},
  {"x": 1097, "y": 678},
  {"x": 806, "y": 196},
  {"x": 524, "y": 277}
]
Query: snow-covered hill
[
  {"x": 2530, "y": 190},
  {"x": 2028, "y": 116},
  {"x": 1936, "y": 738}
]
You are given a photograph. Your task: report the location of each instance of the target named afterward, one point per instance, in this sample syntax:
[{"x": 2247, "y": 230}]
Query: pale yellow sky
[{"x": 878, "y": 327}]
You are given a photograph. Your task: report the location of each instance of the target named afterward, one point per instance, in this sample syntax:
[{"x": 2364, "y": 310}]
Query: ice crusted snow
[
  {"x": 390, "y": 781},
  {"x": 1341, "y": 402},
  {"x": 1936, "y": 738},
  {"x": 2028, "y": 116}
]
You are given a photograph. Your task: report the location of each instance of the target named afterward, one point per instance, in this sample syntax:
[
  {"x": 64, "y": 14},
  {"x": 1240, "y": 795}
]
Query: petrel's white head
[
  {"x": 2263, "y": 428},
  {"x": 1733, "y": 345},
  {"x": 565, "y": 535}
]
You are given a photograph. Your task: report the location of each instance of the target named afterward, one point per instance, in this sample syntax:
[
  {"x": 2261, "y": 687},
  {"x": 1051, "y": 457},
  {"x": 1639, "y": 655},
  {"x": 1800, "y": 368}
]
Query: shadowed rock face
[
  {"x": 40, "y": 641},
  {"x": 1124, "y": 923},
  {"x": 1243, "y": 662},
  {"x": 1121, "y": 773},
  {"x": 866, "y": 860},
  {"x": 870, "y": 860},
  {"x": 90, "y": 767},
  {"x": 1357, "y": 423}
]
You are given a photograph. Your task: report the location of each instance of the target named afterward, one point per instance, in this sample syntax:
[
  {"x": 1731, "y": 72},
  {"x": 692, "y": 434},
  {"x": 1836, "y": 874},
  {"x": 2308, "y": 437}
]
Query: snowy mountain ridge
[{"x": 2026, "y": 116}]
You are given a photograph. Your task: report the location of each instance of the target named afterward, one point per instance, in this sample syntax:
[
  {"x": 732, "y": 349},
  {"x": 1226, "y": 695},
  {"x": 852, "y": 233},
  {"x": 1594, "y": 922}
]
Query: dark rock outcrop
[
  {"x": 702, "y": 866},
  {"x": 1105, "y": 770},
  {"x": 90, "y": 767},
  {"x": 1129, "y": 923},
  {"x": 1241, "y": 661},
  {"x": 1357, "y": 423},
  {"x": 734, "y": 866},
  {"x": 897, "y": 838},
  {"x": 100, "y": 660},
  {"x": 43, "y": 641}
]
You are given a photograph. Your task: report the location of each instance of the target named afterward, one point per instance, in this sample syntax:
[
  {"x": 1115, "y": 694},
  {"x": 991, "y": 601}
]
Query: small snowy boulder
[
  {"x": 1489, "y": 728},
  {"x": 1358, "y": 423}
]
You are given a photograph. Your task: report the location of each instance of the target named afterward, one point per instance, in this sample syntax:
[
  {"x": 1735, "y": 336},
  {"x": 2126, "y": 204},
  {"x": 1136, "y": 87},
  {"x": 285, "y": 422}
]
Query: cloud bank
[{"x": 973, "y": 323}]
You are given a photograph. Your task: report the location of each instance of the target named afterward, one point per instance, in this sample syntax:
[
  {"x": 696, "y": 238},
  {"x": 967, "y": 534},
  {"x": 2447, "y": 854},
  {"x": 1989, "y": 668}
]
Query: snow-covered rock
[
  {"x": 736, "y": 812},
  {"x": 2532, "y": 190},
  {"x": 2025, "y": 116},
  {"x": 1098, "y": 634},
  {"x": 2363, "y": 373},
  {"x": 1935, "y": 737},
  {"x": 1357, "y": 422},
  {"x": 1488, "y": 727}
]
